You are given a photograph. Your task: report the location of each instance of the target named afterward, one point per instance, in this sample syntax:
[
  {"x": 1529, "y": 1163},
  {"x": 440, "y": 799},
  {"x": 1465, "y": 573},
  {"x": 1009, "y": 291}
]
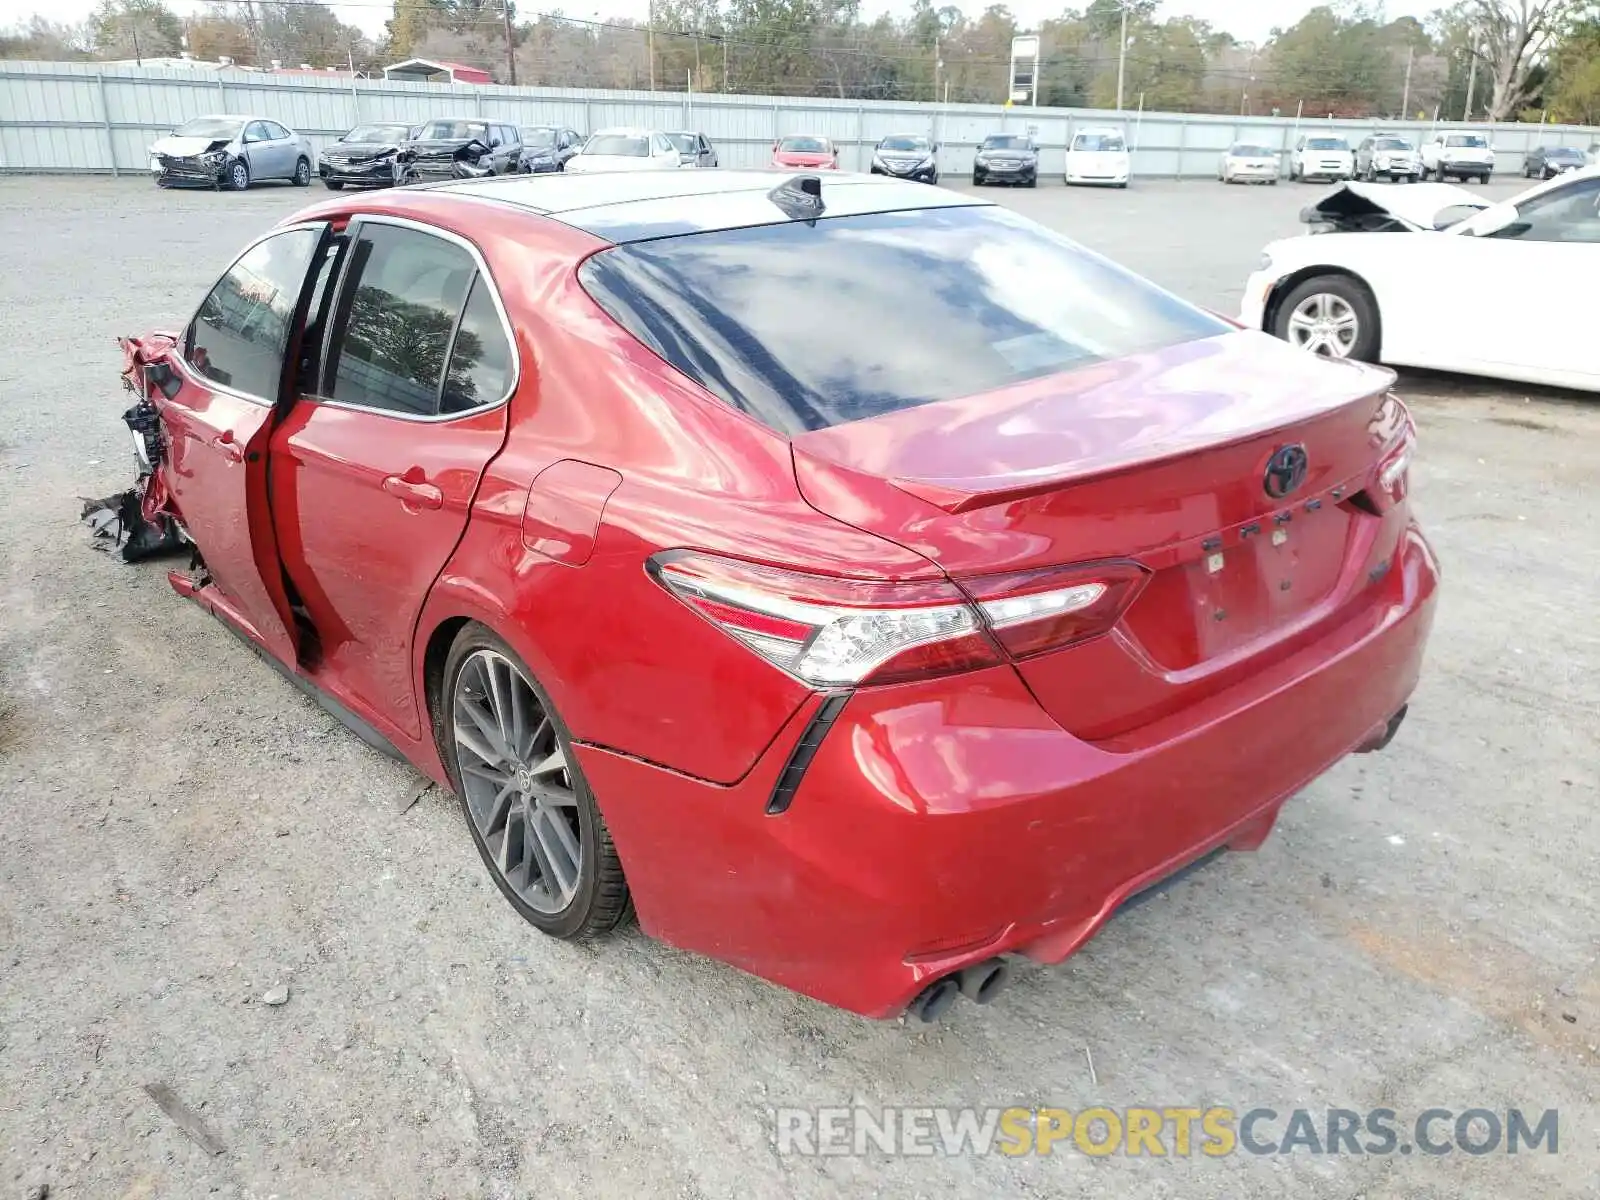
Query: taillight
[
  {"x": 1394, "y": 478},
  {"x": 1033, "y": 611},
  {"x": 833, "y": 632}
]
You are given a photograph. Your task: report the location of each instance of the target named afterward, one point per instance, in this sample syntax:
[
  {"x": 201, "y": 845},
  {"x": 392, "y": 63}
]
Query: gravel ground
[{"x": 183, "y": 832}]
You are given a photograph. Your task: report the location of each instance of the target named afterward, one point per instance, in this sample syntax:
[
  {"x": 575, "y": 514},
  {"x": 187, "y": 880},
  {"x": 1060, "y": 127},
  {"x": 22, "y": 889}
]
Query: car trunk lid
[{"x": 1158, "y": 458}]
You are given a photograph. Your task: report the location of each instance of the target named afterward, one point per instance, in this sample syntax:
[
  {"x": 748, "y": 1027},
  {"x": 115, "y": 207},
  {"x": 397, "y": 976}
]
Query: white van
[
  {"x": 1322, "y": 156},
  {"x": 1098, "y": 156}
]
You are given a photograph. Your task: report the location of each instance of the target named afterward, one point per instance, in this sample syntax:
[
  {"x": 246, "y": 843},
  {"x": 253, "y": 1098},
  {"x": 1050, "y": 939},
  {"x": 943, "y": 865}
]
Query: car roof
[
  {"x": 1098, "y": 129},
  {"x": 630, "y": 206}
]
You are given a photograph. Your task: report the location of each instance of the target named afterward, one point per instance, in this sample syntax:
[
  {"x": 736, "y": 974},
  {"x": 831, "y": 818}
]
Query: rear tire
[
  {"x": 598, "y": 900},
  {"x": 333, "y": 185},
  {"x": 302, "y": 173}
]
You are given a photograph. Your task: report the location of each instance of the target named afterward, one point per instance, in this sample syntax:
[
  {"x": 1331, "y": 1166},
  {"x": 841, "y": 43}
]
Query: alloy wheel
[
  {"x": 239, "y": 176},
  {"x": 302, "y": 174},
  {"x": 518, "y": 789},
  {"x": 1325, "y": 324}
]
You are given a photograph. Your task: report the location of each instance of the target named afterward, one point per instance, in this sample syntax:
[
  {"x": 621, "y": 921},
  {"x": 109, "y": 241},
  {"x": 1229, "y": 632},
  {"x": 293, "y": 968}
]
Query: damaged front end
[
  {"x": 207, "y": 168},
  {"x": 140, "y": 523},
  {"x": 1371, "y": 208}
]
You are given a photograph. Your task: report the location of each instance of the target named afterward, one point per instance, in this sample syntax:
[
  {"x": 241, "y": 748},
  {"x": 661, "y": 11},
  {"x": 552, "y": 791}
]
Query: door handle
[
  {"x": 416, "y": 492},
  {"x": 230, "y": 449}
]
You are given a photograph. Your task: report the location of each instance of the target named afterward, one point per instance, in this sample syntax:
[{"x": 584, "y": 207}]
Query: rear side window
[
  {"x": 806, "y": 325},
  {"x": 402, "y": 302},
  {"x": 480, "y": 360},
  {"x": 239, "y": 336}
]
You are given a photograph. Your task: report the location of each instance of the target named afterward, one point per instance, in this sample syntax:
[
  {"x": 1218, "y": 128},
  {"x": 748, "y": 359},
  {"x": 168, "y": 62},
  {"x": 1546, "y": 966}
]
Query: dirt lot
[{"x": 182, "y": 831}]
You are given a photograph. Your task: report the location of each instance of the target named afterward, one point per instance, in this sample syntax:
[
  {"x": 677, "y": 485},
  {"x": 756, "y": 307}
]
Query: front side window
[
  {"x": 403, "y": 293},
  {"x": 805, "y": 325},
  {"x": 684, "y": 142},
  {"x": 1569, "y": 214},
  {"x": 239, "y": 336}
]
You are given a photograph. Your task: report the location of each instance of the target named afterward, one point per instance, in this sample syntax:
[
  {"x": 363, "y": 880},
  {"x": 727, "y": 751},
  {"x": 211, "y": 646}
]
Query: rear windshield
[
  {"x": 1098, "y": 141},
  {"x": 381, "y": 134},
  {"x": 620, "y": 144},
  {"x": 452, "y": 131},
  {"x": 803, "y": 145},
  {"x": 1005, "y": 141},
  {"x": 1466, "y": 139},
  {"x": 1326, "y": 144},
  {"x": 806, "y": 325}
]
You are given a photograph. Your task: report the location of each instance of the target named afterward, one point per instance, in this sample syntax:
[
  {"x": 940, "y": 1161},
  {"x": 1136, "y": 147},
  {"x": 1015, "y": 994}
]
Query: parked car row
[{"x": 233, "y": 151}]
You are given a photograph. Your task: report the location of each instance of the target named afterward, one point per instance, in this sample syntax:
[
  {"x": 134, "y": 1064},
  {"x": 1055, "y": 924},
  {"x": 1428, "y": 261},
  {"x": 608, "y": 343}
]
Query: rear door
[
  {"x": 230, "y": 364},
  {"x": 376, "y": 463}
]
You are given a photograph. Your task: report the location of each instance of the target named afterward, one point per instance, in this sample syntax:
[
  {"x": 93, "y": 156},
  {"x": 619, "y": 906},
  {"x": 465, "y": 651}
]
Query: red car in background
[
  {"x": 817, "y": 153},
  {"x": 861, "y": 651}
]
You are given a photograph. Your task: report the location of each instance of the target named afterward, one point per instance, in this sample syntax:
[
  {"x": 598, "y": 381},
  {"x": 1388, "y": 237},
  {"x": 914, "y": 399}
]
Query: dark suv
[
  {"x": 1006, "y": 158},
  {"x": 450, "y": 147}
]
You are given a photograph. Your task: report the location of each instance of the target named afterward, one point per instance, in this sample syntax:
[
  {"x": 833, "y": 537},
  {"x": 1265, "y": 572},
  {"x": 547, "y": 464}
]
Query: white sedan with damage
[{"x": 1435, "y": 276}]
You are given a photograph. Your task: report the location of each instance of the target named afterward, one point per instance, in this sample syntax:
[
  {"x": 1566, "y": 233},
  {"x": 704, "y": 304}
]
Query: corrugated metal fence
[{"x": 98, "y": 117}]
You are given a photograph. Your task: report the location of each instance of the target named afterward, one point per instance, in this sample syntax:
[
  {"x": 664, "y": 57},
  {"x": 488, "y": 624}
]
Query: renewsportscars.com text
[{"x": 1178, "y": 1131}]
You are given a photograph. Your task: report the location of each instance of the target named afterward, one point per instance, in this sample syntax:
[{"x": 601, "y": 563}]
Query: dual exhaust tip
[{"x": 979, "y": 983}]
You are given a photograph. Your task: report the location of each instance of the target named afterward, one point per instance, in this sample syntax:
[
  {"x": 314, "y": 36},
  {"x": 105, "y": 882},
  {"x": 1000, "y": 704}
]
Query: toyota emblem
[{"x": 1286, "y": 470}]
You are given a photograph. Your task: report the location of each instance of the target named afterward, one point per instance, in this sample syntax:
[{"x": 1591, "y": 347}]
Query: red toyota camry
[{"x": 863, "y": 583}]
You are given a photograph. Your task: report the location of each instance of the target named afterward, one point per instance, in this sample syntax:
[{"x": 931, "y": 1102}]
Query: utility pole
[
  {"x": 650, "y": 42},
  {"x": 511, "y": 47},
  {"x": 1472, "y": 81},
  {"x": 133, "y": 28},
  {"x": 1122, "y": 53},
  {"x": 1405, "y": 96}
]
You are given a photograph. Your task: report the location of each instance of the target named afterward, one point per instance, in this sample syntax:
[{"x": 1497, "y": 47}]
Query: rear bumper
[{"x": 944, "y": 822}]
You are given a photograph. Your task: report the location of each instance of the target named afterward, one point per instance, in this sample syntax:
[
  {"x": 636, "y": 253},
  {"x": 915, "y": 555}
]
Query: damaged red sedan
[{"x": 861, "y": 582}]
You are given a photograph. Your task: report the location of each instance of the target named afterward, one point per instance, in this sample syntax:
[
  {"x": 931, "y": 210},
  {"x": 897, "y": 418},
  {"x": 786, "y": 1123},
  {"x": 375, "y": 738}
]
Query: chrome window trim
[{"x": 499, "y": 307}]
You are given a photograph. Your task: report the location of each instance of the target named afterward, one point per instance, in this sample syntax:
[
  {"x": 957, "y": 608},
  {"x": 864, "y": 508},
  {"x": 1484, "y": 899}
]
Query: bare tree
[{"x": 1509, "y": 38}]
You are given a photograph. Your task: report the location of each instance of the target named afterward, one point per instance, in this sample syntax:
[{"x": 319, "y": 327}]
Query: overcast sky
[{"x": 1248, "y": 20}]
